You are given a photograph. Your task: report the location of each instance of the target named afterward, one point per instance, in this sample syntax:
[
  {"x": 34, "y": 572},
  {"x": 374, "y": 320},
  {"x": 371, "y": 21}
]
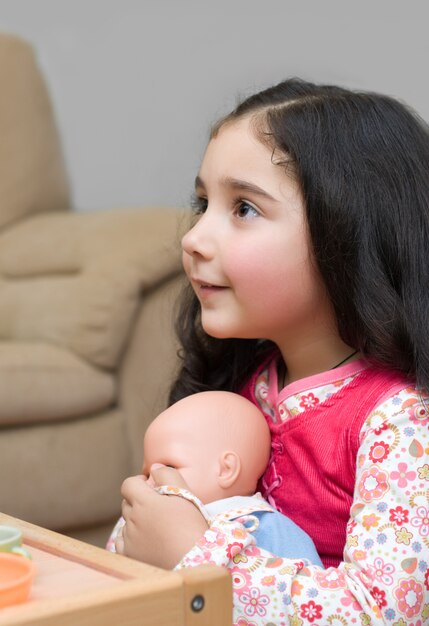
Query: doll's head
[{"x": 217, "y": 440}]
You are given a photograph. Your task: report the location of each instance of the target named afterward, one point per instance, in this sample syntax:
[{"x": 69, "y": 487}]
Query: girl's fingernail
[{"x": 156, "y": 466}]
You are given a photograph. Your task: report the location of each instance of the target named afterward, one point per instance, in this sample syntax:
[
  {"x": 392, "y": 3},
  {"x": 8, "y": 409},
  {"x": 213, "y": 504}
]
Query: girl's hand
[{"x": 159, "y": 529}]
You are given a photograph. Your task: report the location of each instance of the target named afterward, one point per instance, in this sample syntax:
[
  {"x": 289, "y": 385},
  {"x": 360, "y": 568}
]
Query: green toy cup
[{"x": 11, "y": 541}]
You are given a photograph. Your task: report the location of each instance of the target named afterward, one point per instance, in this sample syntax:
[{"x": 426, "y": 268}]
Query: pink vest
[{"x": 311, "y": 473}]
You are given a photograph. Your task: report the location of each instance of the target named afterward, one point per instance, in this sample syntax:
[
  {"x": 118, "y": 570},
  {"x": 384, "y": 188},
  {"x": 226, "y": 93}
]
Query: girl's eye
[
  {"x": 244, "y": 210},
  {"x": 199, "y": 204}
]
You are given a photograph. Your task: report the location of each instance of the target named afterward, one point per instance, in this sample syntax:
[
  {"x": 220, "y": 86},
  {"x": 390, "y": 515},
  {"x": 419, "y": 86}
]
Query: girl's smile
[{"x": 204, "y": 290}]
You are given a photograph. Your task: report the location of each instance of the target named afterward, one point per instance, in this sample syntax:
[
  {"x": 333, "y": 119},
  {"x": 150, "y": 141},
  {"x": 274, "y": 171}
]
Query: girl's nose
[{"x": 199, "y": 239}]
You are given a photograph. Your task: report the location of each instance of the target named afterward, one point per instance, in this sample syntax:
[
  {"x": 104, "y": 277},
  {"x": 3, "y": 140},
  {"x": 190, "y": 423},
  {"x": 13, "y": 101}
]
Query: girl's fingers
[
  {"x": 163, "y": 475},
  {"x": 125, "y": 507},
  {"x": 133, "y": 486}
]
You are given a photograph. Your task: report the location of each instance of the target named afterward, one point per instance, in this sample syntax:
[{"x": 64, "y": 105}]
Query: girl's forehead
[
  {"x": 242, "y": 130},
  {"x": 237, "y": 157},
  {"x": 236, "y": 145}
]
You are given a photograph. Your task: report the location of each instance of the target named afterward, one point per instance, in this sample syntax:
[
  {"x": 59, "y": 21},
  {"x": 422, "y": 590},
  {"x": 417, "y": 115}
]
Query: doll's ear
[{"x": 229, "y": 469}]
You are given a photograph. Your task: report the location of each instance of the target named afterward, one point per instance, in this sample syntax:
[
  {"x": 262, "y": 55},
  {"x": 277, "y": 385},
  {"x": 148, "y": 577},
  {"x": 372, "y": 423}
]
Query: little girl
[{"x": 309, "y": 267}]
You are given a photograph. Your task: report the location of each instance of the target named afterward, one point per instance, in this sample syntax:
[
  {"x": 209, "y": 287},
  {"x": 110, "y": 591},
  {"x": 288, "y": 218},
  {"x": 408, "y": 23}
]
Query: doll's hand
[{"x": 159, "y": 529}]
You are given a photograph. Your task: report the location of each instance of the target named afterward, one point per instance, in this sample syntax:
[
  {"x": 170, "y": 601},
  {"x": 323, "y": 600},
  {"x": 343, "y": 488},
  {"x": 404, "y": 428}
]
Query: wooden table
[{"x": 80, "y": 584}]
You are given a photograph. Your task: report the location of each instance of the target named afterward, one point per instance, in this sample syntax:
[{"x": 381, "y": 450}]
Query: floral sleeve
[{"x": 384, "y": 578}]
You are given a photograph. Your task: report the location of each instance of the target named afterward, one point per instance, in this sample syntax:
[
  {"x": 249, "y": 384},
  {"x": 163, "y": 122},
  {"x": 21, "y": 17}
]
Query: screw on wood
[{"x": 197, "y": 603}]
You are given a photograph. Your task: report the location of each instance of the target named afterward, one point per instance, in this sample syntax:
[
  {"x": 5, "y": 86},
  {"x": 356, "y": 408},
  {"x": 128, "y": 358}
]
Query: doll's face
[{"x": 168, "y": 443}]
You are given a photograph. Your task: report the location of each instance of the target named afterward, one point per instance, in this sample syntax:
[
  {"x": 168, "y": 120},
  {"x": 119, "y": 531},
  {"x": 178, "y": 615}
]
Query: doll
[{"x": 209, "y": 438}]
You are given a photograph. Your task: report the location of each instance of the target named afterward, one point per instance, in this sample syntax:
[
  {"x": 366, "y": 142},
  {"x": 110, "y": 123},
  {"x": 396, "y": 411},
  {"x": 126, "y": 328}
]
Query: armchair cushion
[
  {"x": 75, "y": 279},
  {"x": 41, "y": 383}
]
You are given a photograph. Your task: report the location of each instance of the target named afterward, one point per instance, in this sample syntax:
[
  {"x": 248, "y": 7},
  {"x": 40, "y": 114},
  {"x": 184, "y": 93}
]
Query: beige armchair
[{"x": 86, "y": 306}]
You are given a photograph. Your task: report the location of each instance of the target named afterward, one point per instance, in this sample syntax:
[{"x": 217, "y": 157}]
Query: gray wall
[{"x": 136, "y": 83}]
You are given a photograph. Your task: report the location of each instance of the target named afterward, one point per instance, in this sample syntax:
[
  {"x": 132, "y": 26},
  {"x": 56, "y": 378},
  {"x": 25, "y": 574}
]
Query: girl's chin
[
  {"x": 223, "y": 333},
  {"x": 216, "y": 332}
]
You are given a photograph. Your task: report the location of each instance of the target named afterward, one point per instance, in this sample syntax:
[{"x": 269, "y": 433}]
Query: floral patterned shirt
[{"x": 384, "y": 576}]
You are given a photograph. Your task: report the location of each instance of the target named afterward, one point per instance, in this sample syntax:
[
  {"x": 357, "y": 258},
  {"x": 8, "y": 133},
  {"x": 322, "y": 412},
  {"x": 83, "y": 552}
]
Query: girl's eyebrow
[{"x": 236, "y": 183}]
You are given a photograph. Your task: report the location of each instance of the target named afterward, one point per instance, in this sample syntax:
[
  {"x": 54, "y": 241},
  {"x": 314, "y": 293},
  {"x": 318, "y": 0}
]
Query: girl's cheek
[{"x": 251, "y": 268}]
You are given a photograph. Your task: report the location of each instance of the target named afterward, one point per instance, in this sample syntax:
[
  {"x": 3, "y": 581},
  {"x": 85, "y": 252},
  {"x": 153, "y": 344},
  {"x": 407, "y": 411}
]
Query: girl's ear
[{"x": 229, "y": 469}]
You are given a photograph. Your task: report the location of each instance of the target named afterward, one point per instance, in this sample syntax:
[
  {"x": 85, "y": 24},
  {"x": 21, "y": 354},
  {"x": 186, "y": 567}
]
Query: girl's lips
[
  {"x": 206, "y": 293},
  {"x": 210, "y": 288},
  {"x": 206, "y": 289},
  {"x": 201, "y": 283}
]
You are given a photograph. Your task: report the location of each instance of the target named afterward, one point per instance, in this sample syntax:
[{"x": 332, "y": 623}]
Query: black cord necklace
[
  {"x": 283, "y": 374},
  {"x": 344, "y": 360}
]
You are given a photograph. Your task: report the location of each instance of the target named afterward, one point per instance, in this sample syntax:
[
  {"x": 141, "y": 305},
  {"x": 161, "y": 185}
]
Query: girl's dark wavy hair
[{"x": 362, "y": 161}]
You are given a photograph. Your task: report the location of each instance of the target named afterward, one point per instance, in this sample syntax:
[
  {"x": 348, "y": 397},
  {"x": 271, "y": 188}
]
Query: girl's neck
[{"x": 314, "y": 358}]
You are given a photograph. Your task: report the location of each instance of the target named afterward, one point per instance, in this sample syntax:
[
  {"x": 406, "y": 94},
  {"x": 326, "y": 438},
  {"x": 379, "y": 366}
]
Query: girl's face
[{"x": 248, "y": 256}]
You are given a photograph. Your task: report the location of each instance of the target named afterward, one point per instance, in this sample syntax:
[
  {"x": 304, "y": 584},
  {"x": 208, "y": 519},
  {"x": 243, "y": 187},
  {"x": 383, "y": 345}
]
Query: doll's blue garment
[
  {"x": 273, "y": 531},
  {"x": 281, "y": 536}
]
